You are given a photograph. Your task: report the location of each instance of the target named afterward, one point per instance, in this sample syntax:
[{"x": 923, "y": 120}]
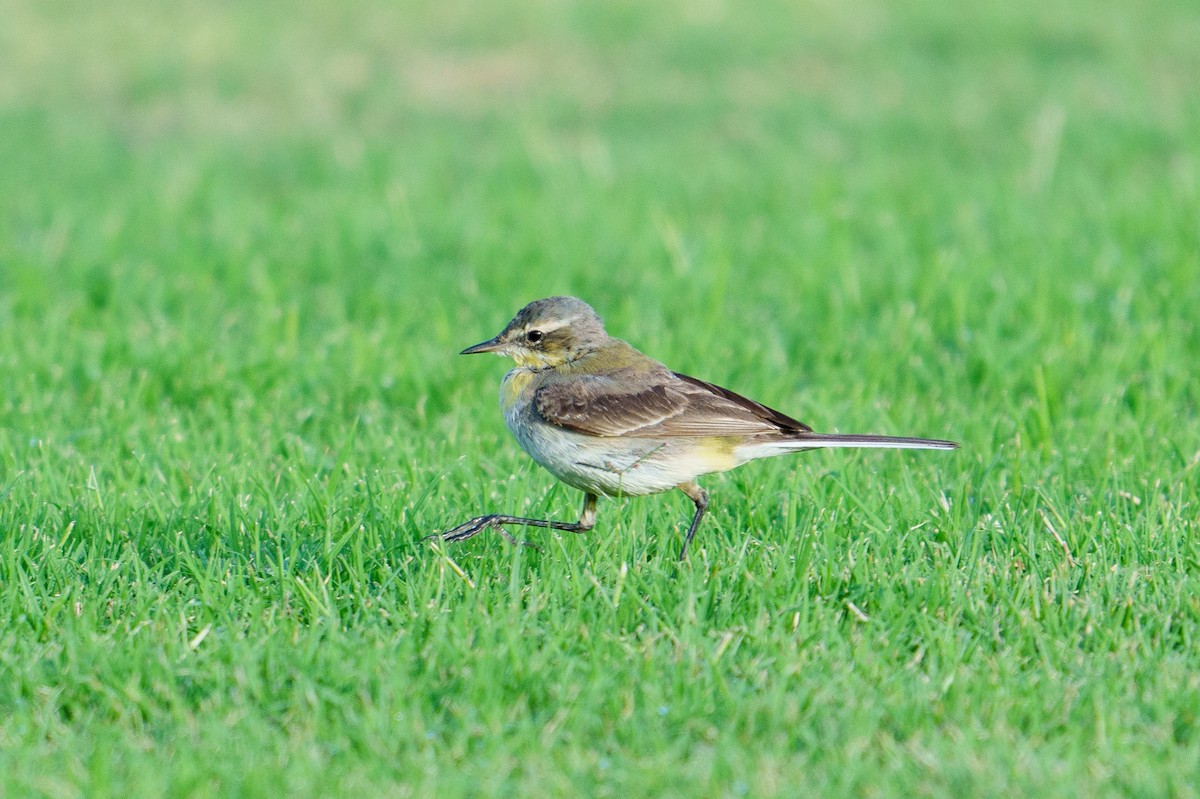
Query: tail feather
[
  {"x": 826, "y": 440},
  {"x": 803, "y": 441}
]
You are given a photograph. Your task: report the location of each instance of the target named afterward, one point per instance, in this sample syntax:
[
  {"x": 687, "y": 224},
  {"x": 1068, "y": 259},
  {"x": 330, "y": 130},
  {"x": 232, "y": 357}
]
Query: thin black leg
[
  {"x": 700, "y": 497},
  {"x": 587, "y": 520}
]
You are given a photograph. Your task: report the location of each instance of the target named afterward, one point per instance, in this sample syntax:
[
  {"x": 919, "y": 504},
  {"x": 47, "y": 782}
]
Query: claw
[
  {"x": 467, "y": 529},
  {"x": 463, "y": 531},
  {"x": 475, "y": 527}
]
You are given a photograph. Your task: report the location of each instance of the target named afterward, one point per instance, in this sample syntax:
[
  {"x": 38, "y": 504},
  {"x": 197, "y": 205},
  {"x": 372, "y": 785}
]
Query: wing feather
[{"x": 664, "y": 405}]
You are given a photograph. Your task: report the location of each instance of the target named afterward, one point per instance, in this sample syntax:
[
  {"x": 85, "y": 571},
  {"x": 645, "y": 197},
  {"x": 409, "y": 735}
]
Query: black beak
[{"x": 491, "y": 345}]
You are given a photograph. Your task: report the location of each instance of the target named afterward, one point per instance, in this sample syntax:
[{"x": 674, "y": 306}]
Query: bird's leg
[
  {"x": 700, "y": 497},
  {"x": 587, "y": 520}
]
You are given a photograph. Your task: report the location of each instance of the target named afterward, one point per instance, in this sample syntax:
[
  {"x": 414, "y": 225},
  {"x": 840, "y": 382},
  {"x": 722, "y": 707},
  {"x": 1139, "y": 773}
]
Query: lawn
[{"x": 241, "y": 245}]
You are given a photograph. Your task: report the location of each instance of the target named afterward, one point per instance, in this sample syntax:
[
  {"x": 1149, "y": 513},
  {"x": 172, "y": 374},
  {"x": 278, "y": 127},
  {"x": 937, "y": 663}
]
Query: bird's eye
[{"x": 534, "y": 336}]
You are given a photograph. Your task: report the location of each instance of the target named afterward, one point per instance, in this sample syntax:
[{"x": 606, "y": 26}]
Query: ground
[{"x": 240, "y": 245}]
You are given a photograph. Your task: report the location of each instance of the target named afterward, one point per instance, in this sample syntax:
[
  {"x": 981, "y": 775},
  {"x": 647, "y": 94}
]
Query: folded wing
[{"x": 665, "y": 405}]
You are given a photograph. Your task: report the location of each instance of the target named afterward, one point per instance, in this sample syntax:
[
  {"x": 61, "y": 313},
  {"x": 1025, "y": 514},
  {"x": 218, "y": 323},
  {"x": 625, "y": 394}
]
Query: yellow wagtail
[{"x": 610, "y": 421}]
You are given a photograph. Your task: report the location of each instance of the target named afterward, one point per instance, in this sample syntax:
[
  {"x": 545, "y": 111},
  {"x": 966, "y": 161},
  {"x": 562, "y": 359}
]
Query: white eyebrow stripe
[{"x": 555, "y": 325}]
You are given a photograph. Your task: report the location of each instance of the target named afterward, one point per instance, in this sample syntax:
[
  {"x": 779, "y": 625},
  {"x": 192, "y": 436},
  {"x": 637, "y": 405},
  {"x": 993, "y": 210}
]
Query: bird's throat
[{"x": 515, "y": 382}]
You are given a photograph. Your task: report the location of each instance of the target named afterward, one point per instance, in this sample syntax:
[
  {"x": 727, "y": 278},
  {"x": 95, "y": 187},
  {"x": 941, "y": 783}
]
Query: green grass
[{"x": 241, "y": 243}]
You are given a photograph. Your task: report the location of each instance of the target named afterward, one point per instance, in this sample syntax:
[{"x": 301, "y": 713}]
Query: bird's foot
[{"x": 475, "y": 527}]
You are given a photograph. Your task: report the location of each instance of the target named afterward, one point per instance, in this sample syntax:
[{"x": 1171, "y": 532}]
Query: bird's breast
[{"x": 515, "y": 387}]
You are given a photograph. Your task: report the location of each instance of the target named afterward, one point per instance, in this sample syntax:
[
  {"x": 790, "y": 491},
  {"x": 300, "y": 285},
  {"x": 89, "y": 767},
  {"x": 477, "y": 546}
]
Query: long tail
[
  {"x": 807, "y": 440},
  {"x": 825, "y": 440}
]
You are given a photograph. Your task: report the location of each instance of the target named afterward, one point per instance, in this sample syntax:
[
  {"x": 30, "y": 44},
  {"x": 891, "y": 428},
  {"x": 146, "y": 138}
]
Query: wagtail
[{"x": 610, "y": 421}]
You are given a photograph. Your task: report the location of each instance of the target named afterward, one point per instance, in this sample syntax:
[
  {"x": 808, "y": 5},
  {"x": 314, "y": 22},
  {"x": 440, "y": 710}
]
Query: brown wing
[
  {"x": 772, "y": 418},
  {"x": 666, "y": 406}
]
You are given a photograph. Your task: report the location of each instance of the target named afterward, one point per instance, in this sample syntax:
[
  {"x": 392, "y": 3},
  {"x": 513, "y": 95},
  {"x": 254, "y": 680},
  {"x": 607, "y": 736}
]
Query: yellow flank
[{"x": 717, "y": 452}]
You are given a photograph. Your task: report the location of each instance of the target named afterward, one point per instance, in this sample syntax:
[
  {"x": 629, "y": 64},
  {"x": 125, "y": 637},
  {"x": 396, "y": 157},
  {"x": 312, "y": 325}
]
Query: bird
[{"x": 611, "y": 421}]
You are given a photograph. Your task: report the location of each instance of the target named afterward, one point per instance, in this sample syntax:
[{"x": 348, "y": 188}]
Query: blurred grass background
[{"x": 240, "y": 244}]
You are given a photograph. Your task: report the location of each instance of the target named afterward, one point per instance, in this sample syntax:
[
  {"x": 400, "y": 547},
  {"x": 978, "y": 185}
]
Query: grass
[{"x": 240, "y": 245}]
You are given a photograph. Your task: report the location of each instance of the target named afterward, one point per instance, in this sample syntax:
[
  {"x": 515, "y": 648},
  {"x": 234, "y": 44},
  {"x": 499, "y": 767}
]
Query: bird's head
[{"x": 547, "y": 333}]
